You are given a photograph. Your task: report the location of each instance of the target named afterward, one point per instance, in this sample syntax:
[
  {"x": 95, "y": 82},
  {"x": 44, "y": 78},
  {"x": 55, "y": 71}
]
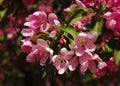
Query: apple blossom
[
  {"x": 85, "y": 41},
  {"x": 40, "y": 51},
  {"x": 61, "y": 61}
]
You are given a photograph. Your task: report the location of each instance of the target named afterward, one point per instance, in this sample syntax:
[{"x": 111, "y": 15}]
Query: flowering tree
[{"x": 80, "y": 41}]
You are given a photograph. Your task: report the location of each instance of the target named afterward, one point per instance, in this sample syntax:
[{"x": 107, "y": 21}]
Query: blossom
[
  {"x": 27, "y": 46},
  {"x": 85, "y": 41},
  {"x": 53, "y": 23},
  {"x": 87, "y": 60},
  {"x": 61, "y": 61},
  {"x": 73, "y": 63},
  {"x": 113, "y": 22},
  {"x": 78, "y": 3},
  {"x": 28, "y": 32},
  {"x": 92, "y": 2},
  {"x": 40, "y": 51},
  {"x": 36, "y": 19},
  {"x": 80, "y": 25}
]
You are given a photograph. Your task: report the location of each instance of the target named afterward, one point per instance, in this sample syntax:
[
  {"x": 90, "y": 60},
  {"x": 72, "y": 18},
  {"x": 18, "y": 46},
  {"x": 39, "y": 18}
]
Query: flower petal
[
  {"x": 73, "y": 64},
  {"x": 92, "y": 66},
  {"x": 42, "y": 43},
  {"x": 85, "y": 57}
]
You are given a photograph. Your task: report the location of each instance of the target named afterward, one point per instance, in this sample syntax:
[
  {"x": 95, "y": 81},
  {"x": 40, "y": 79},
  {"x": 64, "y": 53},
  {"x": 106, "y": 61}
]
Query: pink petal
[
  {"x": 27, "y": 47},
  {"x": 52, "y": 17},
  {"x": 73, "y": 64},
  {"x": 110, "y": 24},
  {"x": 79, "y": 51},
  {"x": 53, "y": 33},
  {"x": 90, "y": 46},
  {"x": 44, "y": 27},
  {"x": 85, "y": 57},
  {"x": 31, "y": 57},
  {"x": 97, "y": 58},
  {"x": 92, "y": 36},
  {"x": 61, "y": 71},
  {"x": 83, "y": 67},
  {"x": 63, "y": 67},
  {"x": 42, "y": 43},
  {"x": 41, "y": 15},
  {"x": 27, "y": 32},
  {"x": 43, "y": 59},
  {"x": 101, "y": 65},
  {"x": 79, "y": 3},
  {"x": 92, "y": 66},
  {"x": 63, "y": 51},
  {"x": 69, "y": 55}
]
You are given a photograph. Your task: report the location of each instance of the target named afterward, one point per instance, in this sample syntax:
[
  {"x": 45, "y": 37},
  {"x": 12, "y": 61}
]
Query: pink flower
[
  {"x": 78, "y": 3},
  {"x": 54, "y": 24},
  {"x": 87, "y": 61},
  {"x": 28, "y": 32},
  {"x": 80, "y": 25},
  {"x": 85, "y": 41},
  {"x": 61, "y": 61},
  {"x": 40, "y": 51},
  {"x": 113, "y": 22},
  {"x": 36, "y": 19},
  {"x": 73, "y": 63},
  {"x": 27, "y": 46},
  {"x": 112, "y": 67},
  {"x": 101, "y": 72},
  {"x": 113, "y": 4}
]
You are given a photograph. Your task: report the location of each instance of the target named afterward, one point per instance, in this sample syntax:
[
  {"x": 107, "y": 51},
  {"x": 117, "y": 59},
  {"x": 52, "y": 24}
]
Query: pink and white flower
[
  {"x": 61, "y": 61},
  {"x": 36, "y": 19},
  {"x": 85, "y": 41},
  {"x": 87, "y": 60},
  {"x": 40, "y": 51}
]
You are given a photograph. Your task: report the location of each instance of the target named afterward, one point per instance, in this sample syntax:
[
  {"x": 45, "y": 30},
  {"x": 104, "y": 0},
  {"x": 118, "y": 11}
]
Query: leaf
[
  {"x": 70, "y": 30},
  {"x": 117, "y": 57},
  {"x": 108, "y": 49},
  {"x": 3, "y": 13},
  {"x": 1, "y": 1},
  {"x": 98, "y": 26},
  {"x": 73, "y": 10},
  {"x": 76, "y": 18},
  {"x": 76, "y": 14}
]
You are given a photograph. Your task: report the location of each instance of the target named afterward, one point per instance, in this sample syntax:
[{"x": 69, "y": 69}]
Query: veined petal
[
  {"x": 42, "y": 43},
  {"x": 44, "y": 27},
  {"x": 63, "y": 51},
  {"x": 90, "y": 46},
  {"x": 92, "y": 66},
  {"x": 52, "y": 17},
  {"x": 69, "y": 55},
  {"x": 73, "y": 64},
  {"x": 31, "y": 57},
  {"x": 43, "y": 59},
  {"x": 85, "y": 57},
  {"x": 79, "y": 51},
  {"x": 27, "y": 32},
  {"x": 83, "y": 67}
]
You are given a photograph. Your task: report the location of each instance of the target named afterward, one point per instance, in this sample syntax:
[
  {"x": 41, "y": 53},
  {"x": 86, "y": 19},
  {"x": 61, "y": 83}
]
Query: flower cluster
[{"x": 84, "y": 40}]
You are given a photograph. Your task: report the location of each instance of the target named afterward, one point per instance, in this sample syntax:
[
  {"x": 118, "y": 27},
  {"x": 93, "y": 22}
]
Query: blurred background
[{"x": 14, "y": 70}]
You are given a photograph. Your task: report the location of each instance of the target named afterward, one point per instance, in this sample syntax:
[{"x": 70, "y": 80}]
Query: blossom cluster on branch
[{"x": 88, "y": 38}]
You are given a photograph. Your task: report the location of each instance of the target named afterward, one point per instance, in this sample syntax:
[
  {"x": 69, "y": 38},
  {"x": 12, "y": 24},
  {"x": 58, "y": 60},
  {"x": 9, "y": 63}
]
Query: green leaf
[
  {"x": 76, "y": 17},
  {"x": 70, "y": 30},
  {"x": 1, "y": 2},
  {"x": 98, "y": 26},
  {"x": 117, "y": 57},
  {"x": 1, "y": 84},
  {"x": 3, "y": 13},
  {"x": 108, "y": 49}
]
